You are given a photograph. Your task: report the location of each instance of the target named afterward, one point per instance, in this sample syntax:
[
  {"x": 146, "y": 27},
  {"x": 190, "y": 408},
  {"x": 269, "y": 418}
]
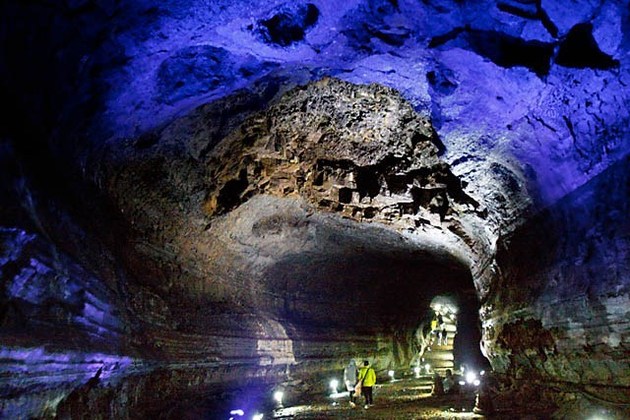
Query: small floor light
[
  {"x": 416, "y": 370},
  {"x": 391, "y": 374},
  {"x": 333, "y": 385},
  {"x": 257, "y": 416},
  {"x": 471, "y": 377},
  {"x": 278, "y": 396},
  {"x": 239, "y": 413}
]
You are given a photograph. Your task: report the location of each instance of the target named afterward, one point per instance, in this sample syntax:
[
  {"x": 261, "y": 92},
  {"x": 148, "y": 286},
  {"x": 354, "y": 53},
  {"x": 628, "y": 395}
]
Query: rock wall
[
  {"x": 558, "y": 312},
  {"x": 251, "y": 227},
  {"x": 243, "y": 262}
]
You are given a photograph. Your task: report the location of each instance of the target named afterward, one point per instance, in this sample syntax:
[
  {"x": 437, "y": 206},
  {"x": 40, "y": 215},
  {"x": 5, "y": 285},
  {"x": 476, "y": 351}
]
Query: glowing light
[
  {"x": 391, "y": 374},
  {"x": 483, "y": 372},
  {"x": 476, "y": 382},
  {"x": 257, "y": 416},
  {"x": 416, "y": 370},
  {"x": 427, "y": 367},
  {"x": 239, "y": 413},
  {"x": 600, "y": 415},
  {"x": 278, "y": 396},
  {"x": 462, "y": 382},
  {"x": 333, "y": 385},
  {"x": 471, "y": 377}
]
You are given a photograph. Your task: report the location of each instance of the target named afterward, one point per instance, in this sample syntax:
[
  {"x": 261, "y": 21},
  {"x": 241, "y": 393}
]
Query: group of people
[
  {"x": 359, "y": 381},
  {"x": 448, "y": 385},
  {"x": 438, "y": 330}
]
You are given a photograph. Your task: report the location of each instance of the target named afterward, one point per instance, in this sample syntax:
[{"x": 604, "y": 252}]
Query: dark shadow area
[
  {"x": 359, "y": 285},
  {"x": 579, "y": 50},
  {"x": 502, "y": 49},
  {"x": 289, "y": 24},
  {"x": 366, "y": 290},
  {"x": 508, "y": 51},
  {"x": 466, "y": 346}
]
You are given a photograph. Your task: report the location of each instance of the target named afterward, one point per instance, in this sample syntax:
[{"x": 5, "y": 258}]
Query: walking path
[{"x": 401, "y": 399}]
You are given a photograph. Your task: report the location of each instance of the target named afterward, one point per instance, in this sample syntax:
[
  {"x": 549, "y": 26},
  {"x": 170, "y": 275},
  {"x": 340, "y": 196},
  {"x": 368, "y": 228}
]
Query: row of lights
[
  {"x": 278, "y": 396},
  {"x": 471, "y": 378}
]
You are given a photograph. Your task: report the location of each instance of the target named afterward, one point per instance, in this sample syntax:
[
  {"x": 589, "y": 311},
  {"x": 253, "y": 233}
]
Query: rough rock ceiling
[{"x": 176, "y": 190}]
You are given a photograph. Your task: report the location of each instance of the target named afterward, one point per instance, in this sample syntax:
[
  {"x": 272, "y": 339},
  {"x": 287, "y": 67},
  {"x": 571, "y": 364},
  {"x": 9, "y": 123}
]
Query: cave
[{"x": 207, "y": 209}]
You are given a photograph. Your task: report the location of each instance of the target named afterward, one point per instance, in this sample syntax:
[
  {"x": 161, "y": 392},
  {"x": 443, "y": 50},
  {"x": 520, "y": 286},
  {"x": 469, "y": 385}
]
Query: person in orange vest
[{"x": 367, "y": 379}]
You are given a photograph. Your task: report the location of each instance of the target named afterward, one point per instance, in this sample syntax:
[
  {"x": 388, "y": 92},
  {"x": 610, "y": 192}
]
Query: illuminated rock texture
[
  {"x": 208, "y": 200},
  {"x": 572, "y": 310}
]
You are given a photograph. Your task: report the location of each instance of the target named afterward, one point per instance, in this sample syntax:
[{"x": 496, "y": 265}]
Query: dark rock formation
[
  {"x": 288, "y": 24},
  {"x": 580, "y": 49}
]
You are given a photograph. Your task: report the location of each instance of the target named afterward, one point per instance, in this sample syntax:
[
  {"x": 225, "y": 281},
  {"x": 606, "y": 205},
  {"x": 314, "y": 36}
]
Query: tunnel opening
[
  {"x": 355, "y": 291},
  {"x": 449, "y": 336}
]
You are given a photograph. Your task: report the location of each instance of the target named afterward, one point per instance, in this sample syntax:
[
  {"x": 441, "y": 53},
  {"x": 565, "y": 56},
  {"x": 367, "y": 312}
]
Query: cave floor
[{"x": 403, "y": 399}]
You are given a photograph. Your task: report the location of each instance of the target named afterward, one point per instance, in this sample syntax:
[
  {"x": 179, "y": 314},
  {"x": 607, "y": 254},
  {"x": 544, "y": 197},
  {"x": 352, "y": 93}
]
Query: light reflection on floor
[{"x": 401, "y": 399}]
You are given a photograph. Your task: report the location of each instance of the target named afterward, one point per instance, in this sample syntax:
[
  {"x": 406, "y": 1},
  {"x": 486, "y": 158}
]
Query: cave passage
[{"x": 361, "y": 293}]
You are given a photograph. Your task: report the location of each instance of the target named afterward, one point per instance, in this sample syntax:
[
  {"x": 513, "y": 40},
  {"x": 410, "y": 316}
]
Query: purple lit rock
[
  {"x": 288, "y": 24},
  {"x": 608, "y": 28},
  {"x": 567, "y": 14}
]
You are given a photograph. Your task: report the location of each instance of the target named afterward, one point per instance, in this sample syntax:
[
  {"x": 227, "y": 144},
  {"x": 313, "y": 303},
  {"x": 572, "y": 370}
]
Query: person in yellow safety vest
[
  {"x": 367, "y": 378},
  {"x": 434, "y": 325}
]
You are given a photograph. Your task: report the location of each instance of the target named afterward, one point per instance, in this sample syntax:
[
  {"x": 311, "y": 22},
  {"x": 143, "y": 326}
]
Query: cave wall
[
  {"x": 111, "y": 177},
  {"x": 246, "y": 232},
  {"x": 223, "y": 288},
  {"x": 558, "y": 313}
]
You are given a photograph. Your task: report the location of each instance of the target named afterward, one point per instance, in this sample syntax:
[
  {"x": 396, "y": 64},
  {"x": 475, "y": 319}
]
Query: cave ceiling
[{"x": 534, "y": 89}]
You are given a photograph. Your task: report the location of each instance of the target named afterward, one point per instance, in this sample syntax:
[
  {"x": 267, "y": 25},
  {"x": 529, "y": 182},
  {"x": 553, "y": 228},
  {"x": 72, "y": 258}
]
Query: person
[
  {"x": 438, "y": 386},
  {"x": 434, "y": 323},
  {"x": 434, "y": 326},
  {"x": 483, "y": 401},
  {"x": 443, "y": 337},
  {"x": 350, "y": 373},
  {"x": 449, "y": 384},
  {"x": 367, "y": 377}
]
